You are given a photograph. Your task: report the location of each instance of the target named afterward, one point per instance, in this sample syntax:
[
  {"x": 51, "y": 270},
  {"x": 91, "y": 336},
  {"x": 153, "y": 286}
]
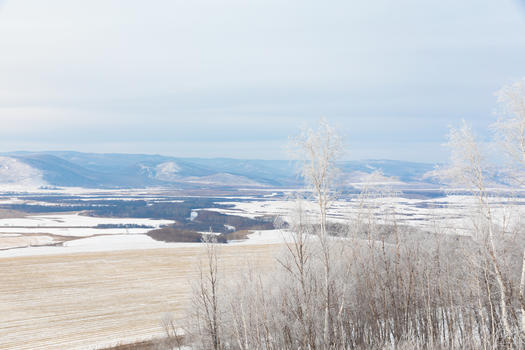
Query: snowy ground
[
  {"x": 450, "y": 214},
  {"x": 109, "y": 243},
  {"x": 73, "y": 232},
  {"x": 38, "y": 230},
  {"x": 38, "y": 222}
]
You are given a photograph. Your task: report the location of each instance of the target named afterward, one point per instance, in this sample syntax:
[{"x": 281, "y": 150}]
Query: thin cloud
[{"x": 126, "y": 71}]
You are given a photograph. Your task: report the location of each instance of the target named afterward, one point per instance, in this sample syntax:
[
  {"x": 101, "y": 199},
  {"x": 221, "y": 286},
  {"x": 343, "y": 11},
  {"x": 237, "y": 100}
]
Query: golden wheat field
[{"x": 90, "y": 300}]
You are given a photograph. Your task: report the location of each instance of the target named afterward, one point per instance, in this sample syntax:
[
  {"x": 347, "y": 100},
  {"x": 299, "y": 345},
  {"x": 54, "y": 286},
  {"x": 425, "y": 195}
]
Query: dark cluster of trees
[{"x": 224, "y": 226}]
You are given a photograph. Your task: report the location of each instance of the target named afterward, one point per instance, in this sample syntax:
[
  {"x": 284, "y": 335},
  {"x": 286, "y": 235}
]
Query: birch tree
[
  {"x": 510, "y": 132},
  {"x": 468, "y": 168},
  {"x": 319, "y": 151},
  {"x": 206, "y": 297}
]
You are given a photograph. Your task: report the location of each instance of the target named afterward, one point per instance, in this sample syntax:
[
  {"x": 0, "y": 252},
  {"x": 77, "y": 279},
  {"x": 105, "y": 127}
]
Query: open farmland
[{"x": 90, "y": 300}]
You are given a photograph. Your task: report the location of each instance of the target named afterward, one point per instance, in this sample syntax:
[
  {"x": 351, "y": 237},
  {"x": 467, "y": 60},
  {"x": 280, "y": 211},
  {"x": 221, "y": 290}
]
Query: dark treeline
[{"x": 121, "y": 208}]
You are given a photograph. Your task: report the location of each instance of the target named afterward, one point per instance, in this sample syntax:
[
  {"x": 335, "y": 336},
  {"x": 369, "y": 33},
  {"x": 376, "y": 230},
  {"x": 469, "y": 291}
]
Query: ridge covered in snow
[{"x": 91, "y": 170}]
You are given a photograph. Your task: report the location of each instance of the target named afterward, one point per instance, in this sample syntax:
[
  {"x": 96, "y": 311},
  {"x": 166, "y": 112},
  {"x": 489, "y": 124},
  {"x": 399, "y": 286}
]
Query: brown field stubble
[{"x": 81, "y": 301}]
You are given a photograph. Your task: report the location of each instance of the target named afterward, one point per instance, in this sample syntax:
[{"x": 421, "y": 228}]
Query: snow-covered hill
[
  {"x": 34, "y": 169},
  {"x": 15, "y": 174}
]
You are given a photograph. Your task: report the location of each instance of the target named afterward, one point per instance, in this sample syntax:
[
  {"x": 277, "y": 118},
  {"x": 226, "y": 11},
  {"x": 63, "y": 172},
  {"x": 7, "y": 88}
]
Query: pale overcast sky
[{"x": 235, "y": 78}]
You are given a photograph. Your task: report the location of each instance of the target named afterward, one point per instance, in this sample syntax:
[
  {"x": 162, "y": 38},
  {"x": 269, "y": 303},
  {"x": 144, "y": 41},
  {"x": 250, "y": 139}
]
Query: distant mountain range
[{"x": 92, "y": 170}]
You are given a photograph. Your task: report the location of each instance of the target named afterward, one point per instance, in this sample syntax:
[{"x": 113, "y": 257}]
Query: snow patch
[
  {"x": 229, "y": 227},
  {"x": 167, "y": 171},
  {"x": 76, "y": 225},
  {"x": 17, "y": 175},
  {"x": 193, "y": 215}
]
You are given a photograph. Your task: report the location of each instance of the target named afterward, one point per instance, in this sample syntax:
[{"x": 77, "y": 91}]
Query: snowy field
[
  {"x": 38, "y": 222},
  {"x": 109, "y": 243},
  {"x": 74, "y": 232},
  {"x": 451, "y": 214},
  {"x": 29, "y": 232}
]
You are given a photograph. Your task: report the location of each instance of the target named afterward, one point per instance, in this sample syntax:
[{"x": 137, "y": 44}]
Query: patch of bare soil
[
  {"x": 9, "y": 214},
  {"x": 9, "y": 241}
]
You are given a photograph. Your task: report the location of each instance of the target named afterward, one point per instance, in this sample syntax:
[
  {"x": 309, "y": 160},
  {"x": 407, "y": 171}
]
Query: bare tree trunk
[
  {"x": 206, "y": 301},
  {"x": 326, "y": 262},
  {"x": 522, "y": 298},
  {"x": 502, "y": 289}
]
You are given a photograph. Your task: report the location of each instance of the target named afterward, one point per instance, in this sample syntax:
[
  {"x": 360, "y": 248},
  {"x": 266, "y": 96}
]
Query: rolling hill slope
[{"x": 93, "y": 170}]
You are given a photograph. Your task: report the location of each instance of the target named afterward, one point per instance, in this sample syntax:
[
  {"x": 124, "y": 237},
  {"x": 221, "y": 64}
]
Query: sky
[{"x": 237, "y": 78}]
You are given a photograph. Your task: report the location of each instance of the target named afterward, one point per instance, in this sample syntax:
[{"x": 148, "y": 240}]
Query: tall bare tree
[
  {"x": 510, "y": 131},
  {"x": 468, "y": 168},
  {"x": 206, "y": 297},
  {"x": 319, "y": 151}
]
